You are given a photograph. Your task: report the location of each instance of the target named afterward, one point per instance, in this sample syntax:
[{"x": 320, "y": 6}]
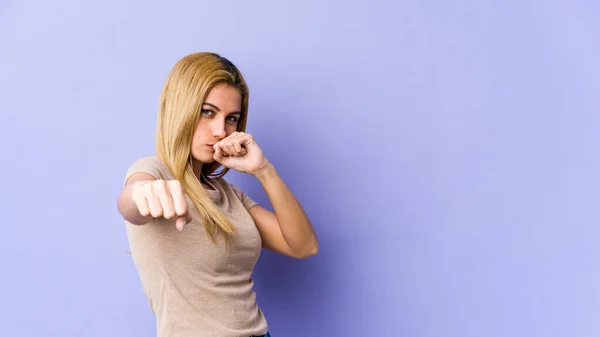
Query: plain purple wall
[{"x": 447, "y": 153}]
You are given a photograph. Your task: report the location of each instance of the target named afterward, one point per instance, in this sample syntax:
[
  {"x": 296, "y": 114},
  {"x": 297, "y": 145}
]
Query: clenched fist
[
  {"x": 161, "y": 198},
  {"x": 239, "y": 151}
]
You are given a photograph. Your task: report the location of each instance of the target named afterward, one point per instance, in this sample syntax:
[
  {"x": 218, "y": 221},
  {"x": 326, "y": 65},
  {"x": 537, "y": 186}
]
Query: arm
[{"x": 288, "y": 231}]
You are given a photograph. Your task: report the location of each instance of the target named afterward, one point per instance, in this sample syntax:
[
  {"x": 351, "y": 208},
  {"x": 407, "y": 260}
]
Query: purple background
[{"x": 447, "y": 153}]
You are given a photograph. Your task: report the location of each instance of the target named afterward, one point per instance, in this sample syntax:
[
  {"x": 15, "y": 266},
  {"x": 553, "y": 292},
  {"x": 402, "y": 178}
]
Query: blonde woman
[{"x": 194, "y": 237}]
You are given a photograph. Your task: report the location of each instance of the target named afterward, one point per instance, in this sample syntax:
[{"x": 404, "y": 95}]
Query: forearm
[{"x": 294, "y": 224}]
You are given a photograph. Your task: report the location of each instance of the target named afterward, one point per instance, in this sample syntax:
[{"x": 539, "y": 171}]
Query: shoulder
[{"x": 151, "y": 165}]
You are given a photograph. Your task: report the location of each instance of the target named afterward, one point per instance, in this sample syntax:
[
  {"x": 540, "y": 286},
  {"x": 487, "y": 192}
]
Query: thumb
[
  {"x": 182, "y": 220},
  {"x": 219, "y": 157}
]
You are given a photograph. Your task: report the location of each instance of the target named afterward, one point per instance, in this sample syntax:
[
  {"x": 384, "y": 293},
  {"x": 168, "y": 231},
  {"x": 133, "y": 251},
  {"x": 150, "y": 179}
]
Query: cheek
[
  {"x": 230, "y": 128},
  {"x": 199, "y": 137},
  {"x": 200, "y": 132}
]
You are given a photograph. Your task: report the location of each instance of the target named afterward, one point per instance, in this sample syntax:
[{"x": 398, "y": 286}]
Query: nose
[{"x": 218, "y": 128}]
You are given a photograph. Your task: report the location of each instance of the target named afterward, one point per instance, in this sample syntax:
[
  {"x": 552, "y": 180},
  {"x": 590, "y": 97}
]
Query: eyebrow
[{"x": 217, "y": 108}]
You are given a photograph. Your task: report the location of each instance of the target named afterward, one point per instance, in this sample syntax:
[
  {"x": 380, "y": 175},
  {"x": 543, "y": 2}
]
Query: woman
[{"x": 194, "y": 237}]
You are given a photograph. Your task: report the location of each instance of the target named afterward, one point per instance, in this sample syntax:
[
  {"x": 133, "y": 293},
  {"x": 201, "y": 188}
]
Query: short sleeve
[
  {"x": 246, "y": 200},
  {"x": 149, "y": 165}
]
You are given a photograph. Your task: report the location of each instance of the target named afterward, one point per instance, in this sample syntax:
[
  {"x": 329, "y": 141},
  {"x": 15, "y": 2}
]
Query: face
[{"x": 219, "y": 118}]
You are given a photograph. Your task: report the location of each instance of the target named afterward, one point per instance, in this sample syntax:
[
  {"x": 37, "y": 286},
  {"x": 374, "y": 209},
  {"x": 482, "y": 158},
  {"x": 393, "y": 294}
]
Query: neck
[{"x": 197, "y": 166}]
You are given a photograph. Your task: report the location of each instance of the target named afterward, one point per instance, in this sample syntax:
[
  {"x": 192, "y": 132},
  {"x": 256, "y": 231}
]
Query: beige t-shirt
[{"x": 195, "y": 287}]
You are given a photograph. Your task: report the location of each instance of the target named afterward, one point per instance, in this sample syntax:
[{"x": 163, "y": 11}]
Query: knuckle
[
  {"x": 146, "y": 192},
  {"x": 140, "y": 188},
  {"x": 174, "y": 185},
  {"x": 160, "y": 185}
]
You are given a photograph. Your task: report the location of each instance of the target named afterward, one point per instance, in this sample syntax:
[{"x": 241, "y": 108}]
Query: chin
[{"x": 204, "y": 158}]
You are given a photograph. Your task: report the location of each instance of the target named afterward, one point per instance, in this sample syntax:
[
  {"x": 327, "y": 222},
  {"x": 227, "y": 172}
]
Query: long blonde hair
[{"x": 181, "y": 99}]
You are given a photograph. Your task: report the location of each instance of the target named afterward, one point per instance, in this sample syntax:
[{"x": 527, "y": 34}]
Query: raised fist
[{"x": 161, "y": 198}]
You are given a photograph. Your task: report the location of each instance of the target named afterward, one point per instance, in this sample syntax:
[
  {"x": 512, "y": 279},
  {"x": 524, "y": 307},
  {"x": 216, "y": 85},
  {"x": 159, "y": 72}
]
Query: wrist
[{"x": 266, "y": 171}]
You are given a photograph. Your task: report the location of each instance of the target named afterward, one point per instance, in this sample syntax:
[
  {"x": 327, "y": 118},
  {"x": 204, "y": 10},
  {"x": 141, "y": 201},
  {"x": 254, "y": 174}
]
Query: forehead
[{"x": 225, "y": 96}]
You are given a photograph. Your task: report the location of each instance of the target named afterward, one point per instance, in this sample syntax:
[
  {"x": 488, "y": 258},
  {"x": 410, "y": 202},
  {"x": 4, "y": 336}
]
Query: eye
[
  {"x": 207, "y": 112},
  {"x": 233, "y": 119}
]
